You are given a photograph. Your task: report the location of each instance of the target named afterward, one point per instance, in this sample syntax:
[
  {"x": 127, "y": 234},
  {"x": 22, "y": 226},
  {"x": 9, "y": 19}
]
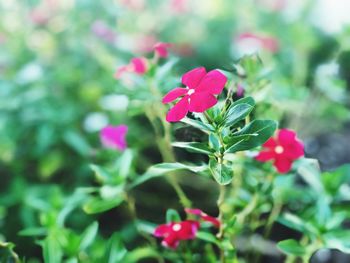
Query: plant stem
[{"x": 164, "y": 142}]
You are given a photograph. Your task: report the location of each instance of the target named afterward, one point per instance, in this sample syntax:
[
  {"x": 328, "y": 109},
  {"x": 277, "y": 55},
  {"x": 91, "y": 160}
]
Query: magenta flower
[
  {"x": 199, "y": 94},
  {"x": 114, "y": 137},
  {"x": 282, "y": 149},
  {"x": 203, "y": 216},
  {"x": 137, "y": 65},
  {"x": 174, "y": 232},
  {"x": 161, "y": 49}
]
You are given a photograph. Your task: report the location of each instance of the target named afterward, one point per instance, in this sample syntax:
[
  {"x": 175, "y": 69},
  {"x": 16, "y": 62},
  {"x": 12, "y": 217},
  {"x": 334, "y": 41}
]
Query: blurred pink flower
[
  {"x": 199, "y": 94},
  {"x": 103, "y": 31},
  {"x": 273, "y": 5},
  {"x": 136, "y": 5},
  {"x": 250, "y": 43},
  {"x": 114, "y": 137},
  {"x": 203, "y": 216},
  {"x": 172, "y": 233},
  {"x": 137, "y": 65},
  {"x": 282, "y": 149},
  {"x": 183, "y": 49},
  {"x": 179, "y": 6},
  {"x": 161, "y": 49},
  {"x": 145, "y": 43}
]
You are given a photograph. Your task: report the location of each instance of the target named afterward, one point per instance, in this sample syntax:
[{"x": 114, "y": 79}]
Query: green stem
[{"x": 164, "y": 143}]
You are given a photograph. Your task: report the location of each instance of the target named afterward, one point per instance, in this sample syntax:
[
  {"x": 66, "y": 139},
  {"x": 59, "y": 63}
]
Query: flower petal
[
  {"x": 114, "y": 137},
  {"x": 201, "y": 101},
  {"x": 213, "y": 82},
  {"x": 286, "y": 137},
  {"x": 265, "y": 156},
  {"x": 179, "y": 110},
  {"x": 161, "y": 49},
  {"x": 188, "y": 229},
  {"x": 295, "y": 150},
  {"x": 139, "y": 65},
  {"x": 174, "y": 94},
  {"x": 162, "y": 230},
  {"x": 270, "y": 143},
  {"x": 283, "y": 165},
  {"x": 192, "y": 78}
]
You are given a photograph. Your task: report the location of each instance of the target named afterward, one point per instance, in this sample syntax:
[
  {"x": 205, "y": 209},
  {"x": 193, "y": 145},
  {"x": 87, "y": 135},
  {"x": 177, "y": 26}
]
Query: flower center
[
  {"x": 279, "y": 149},
  {"x": 190, "y": 91},
  {"x": 176, "y": 227}
]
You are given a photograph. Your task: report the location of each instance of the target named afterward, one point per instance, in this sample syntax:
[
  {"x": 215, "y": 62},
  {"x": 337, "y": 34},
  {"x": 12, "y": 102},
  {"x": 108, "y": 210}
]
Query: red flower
[
  {"x": 198, "y": 96},
  {"x": 138, "y": 66},
  {"x": 203, "y": 216},
  {"x": 283, "y": 150},
  {"x": 161, "y": 49},
  {"x": 174, "y": 232}
]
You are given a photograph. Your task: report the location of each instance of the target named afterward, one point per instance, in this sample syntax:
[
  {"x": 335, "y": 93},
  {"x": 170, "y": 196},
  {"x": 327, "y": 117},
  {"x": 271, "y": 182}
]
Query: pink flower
[
  {"x": 161, "y": 49},
  {"x": 282, "y": 149},
  {"x": 114, "y": 137},
  {"x": 203, "y": 216},
  {"x": 174, "y": 232},
  {"x": 138, "y": 66},
  {"x": 199, "y": 94},
  {"x": 102, "y": 30},
  {"x": 179, "y": 6},
  {"x": 251, "y": 43}
]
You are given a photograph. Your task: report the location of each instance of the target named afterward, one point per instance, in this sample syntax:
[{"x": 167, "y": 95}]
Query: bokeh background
[{"x": 57, "y": 90}]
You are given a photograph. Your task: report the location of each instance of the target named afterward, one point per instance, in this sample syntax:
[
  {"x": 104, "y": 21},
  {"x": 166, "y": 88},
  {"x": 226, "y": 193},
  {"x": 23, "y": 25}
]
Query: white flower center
[
  {"x": 176, "y": 227},
  {"x": 190, "y": 91},
  {"x": 279, "y": 149}
]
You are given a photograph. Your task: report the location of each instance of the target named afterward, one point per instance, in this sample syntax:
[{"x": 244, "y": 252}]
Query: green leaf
[
  {"x": 164, "y": 168},
  {"x": 101, "y": 174},
  {"x": 33, "y": 231},
  {"x": 97, "y": 205},
  {"x": 214, "y": 142},
  {"x": 291, "y": 246},
  {"x": 338, "y": 239},
  {"x": 89, "y": 235},
  {"x": 236, "y": 113},
  {"x": 7, "y": 255},
  {"x": 172, "y": 216},
  {"x": 52, "y": 251},
  {"x": 75, "y": 140},
  {"x": 205, "y": 127},
  {"x": 124, "y": 163},
  {"x": 257, "y": 132},
  {"x": 141, "y": 254},
  {"x": 221, "y": 173},
  {"x": 297, "y": 223},
  {"x": 197, "y": 147},
  {"x": 115, "y": 250},
  {"x": 208, "y": 237},
  {"x": 248, "y": 100}
]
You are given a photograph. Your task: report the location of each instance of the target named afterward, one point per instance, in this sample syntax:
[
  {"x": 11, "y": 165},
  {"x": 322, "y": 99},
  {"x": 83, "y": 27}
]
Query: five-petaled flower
[
  {"x": 173, "y": 233},
  {"x": 203, "y": 216},
  {"x": 199, "y": 94},
  {"x": 114, "y": 137},
  {"x": 282, "y": 149},
  {"x": 137, "y": 65},
  {"x": 161, "y": 49}
]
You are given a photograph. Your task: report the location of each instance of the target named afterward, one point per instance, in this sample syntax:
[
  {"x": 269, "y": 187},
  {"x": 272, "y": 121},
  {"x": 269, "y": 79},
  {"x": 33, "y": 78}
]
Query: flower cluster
[
  {"x": 173, "y": 232},
  {"x": 140, "y": 65},
  {"x": 282, "y": 149}
]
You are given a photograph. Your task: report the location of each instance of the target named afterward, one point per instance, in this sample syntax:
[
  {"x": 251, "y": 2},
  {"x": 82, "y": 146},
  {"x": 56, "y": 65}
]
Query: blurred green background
[{"x": 57, "y": 60}]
